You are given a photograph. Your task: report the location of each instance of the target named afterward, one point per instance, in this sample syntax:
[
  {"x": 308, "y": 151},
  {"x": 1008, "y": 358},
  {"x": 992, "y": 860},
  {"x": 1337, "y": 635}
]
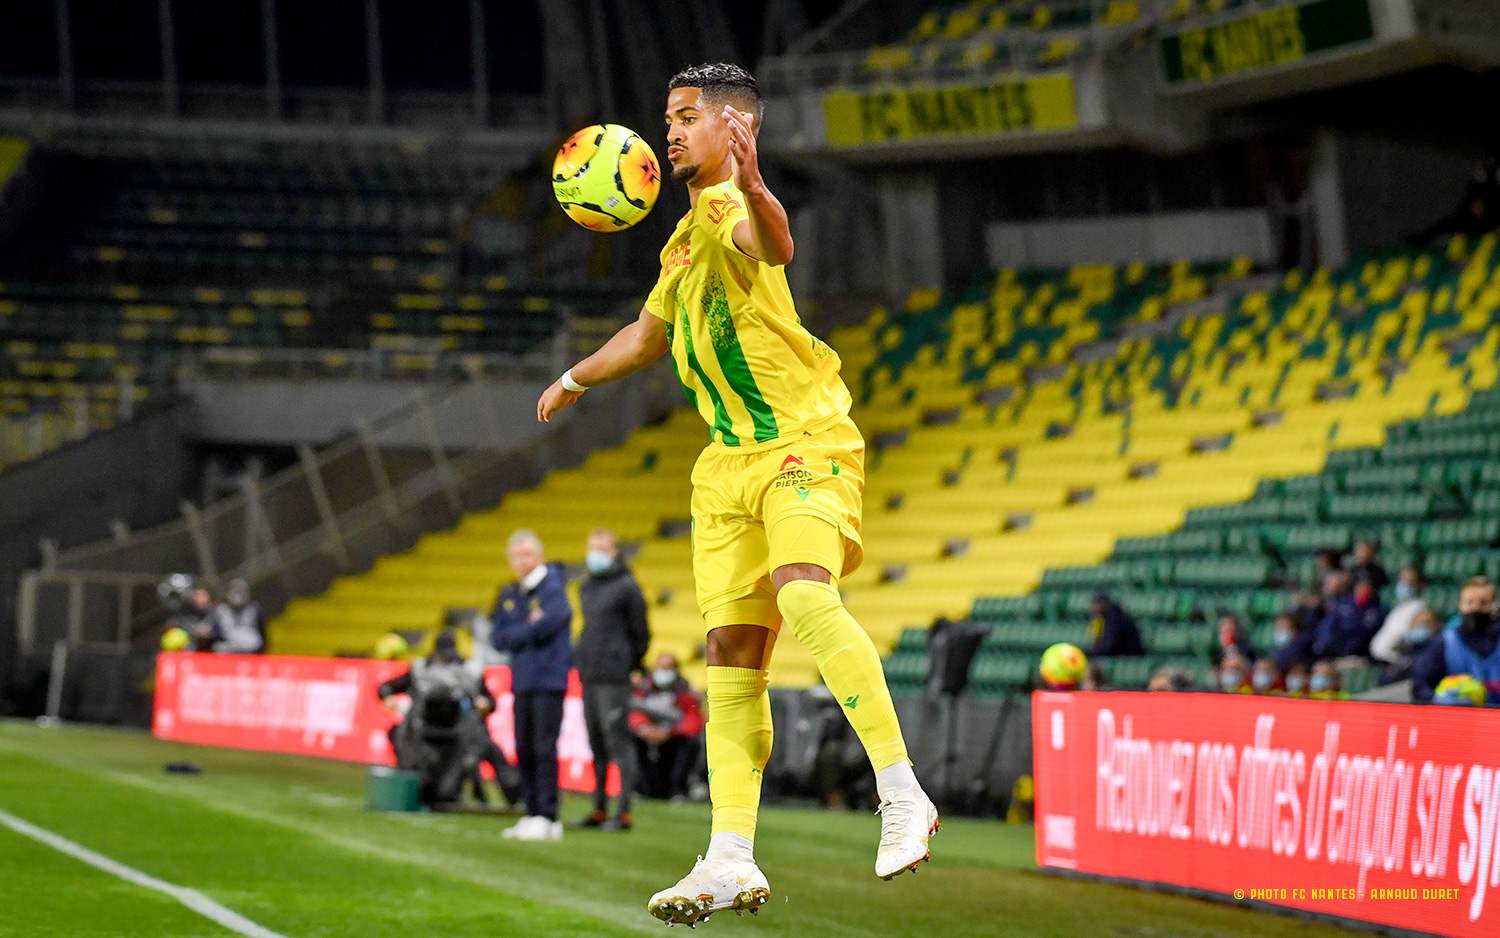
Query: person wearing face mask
[
  {"x": 609, "y": 650},
  {"x": 1473, "y": 647},
  {"x": 1412, "y": 645},
  {"x": 667, "y": 721},
  {"x": 1293, "y": 642},
  {"x": 1296, "y": 680},
  {"x": 1385, "y": 645},
  {"x": 1323, "y": 682},
  {"x": 1265, "y": 678},
  {"x": 1234, "y": 673},
  {"x": 239, "y": 624},
  {"x": 1352, "y": 619}
]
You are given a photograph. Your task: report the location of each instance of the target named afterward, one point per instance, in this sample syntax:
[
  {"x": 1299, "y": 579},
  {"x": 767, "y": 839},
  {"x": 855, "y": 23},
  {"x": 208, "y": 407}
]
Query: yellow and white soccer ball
[
  {"x": 606, "y": 178},
  {"x": 1063, "y": 666}
]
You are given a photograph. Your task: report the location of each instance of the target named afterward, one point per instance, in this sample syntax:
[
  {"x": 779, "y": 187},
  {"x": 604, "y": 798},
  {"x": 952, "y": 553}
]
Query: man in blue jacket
[
  {"x": 1473, "y": 648},
  {"x": 532, "y": 620}
]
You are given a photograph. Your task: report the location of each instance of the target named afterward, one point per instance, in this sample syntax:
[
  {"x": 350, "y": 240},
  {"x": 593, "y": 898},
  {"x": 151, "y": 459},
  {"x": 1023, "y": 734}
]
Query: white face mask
[
  {"x": 663, "y": 677},
  {"x": 598, "y": 561}
]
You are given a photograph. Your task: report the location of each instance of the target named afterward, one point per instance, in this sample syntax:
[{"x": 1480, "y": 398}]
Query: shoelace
[{"x": 896, "y": 819}]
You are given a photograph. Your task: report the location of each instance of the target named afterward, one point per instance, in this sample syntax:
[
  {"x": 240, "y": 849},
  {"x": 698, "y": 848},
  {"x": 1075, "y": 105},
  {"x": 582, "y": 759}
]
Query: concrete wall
[
  {"x": 288, "y": 412},
  {"x": 1118, "y": 239}
]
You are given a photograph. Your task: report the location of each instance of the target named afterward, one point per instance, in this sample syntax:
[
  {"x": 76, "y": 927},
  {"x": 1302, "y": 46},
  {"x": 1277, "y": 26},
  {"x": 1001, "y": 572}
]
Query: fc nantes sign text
[
  {"x": 911, "y": 114},
  {"x": 1262, "y": 40}
]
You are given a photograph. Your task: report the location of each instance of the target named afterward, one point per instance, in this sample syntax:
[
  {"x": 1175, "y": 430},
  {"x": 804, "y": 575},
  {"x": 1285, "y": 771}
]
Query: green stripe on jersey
[
  {"x": 722, "y": 423},
  {"x": 726, "y": 342}
]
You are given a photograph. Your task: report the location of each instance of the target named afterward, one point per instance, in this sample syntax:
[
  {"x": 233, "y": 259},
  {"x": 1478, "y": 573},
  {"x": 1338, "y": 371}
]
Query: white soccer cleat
[
  {"x": 907, "y": 820},
  {"x": 710, "y": 886}
]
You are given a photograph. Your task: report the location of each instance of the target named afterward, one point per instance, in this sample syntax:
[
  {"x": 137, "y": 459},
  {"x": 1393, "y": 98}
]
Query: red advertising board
[
  {"x": 326, "y": 707},
  {"x": 1382, "y": 812}
]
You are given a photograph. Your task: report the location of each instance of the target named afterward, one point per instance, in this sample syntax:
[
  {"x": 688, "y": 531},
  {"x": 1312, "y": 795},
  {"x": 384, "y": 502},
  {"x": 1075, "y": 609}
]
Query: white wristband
[{"x": 568, "y": 382}]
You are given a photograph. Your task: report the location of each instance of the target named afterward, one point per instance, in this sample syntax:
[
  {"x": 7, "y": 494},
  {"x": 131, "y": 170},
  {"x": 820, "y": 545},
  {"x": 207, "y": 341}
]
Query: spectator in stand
[
  {"x": 610, "y": 649},
  {"x": 1308, "y": 607},
  {"x": 239, "y": 624},
  {"x": 1353, "y": 618},
  {"x": 1323, "y": 682},
  {"x": 1296, "y": 680},
  {"x": 1385, "y": 645},
  {"x": 1411, "y": 645},
  {"x": 1472, "y": 648},
  {"x": 1325, "y": 562},
  {"x": 1232, "y": 637},
  {"x": 531, "y": 620},
  {"x": 1366, "y": 564},
  {"x": 1265, "y": 678},
  {"x": 1234, "y": 672},
  {"x": 1114, "y": 632},
  {"x": 1293, "y": 642},
  {"x": 667, "y": 722},
  {"x": 1170, "y": 678},
  {"x": 196, "y": 619}
]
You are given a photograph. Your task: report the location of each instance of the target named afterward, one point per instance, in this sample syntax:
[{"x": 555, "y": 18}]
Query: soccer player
[{"x": 776, "y": 494}]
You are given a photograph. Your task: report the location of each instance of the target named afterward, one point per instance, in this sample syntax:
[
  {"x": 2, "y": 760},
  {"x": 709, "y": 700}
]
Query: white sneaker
[
  {"x": 907, "y": 820},
  {"x": 534, "y": 828},
  {"x": 710, "y": 886}
]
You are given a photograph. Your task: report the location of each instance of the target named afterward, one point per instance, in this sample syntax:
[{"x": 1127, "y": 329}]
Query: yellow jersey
[{"x": 739, "y": 349}]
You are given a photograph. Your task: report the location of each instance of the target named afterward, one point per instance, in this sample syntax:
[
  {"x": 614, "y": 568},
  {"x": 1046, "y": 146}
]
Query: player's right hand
[{"x": 553, "y": 400}]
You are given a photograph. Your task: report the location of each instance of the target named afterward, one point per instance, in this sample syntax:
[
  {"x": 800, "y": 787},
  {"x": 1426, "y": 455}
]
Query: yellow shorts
[{"x": 798, "y": 502}]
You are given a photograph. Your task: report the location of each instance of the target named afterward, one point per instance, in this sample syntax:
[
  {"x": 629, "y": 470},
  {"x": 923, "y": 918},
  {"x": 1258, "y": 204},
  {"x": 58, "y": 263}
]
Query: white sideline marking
[{"x": 191, "y": 898}]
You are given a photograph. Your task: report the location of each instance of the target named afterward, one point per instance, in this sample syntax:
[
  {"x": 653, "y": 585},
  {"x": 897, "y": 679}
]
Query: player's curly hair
[{"x": 722, "y": 83}]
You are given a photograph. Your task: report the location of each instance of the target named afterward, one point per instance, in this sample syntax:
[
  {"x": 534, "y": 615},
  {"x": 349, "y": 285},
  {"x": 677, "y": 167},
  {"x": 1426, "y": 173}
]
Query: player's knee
[{"x": 802, "y": 600}]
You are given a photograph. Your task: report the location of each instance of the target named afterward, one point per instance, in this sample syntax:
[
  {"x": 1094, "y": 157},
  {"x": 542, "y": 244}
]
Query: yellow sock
[
  {"x": 738, "y": 739},
  {"x": 849, "y": 663}
]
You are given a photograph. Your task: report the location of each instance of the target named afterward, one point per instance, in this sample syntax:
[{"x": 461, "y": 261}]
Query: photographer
[
  {"x": 442, "y": 736},
  {"x": 239, "y": 624}
]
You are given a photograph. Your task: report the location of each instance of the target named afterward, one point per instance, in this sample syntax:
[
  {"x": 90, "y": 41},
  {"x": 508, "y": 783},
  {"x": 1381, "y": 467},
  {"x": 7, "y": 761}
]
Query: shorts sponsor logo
[{"x": 792, "y": 475}]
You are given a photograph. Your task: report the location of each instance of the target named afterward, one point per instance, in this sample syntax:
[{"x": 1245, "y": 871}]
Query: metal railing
[
  {"x": 978, "y": 56},
  {"x": 334, "y": 512}
]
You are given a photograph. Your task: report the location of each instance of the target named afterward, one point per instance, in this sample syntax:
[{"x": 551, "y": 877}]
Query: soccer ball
[
  {"x": 390, "y": 647},
  {"x": 1460, "y": 690},
  {"x": 175, "y": 639},
  {"x": 1063, "y": 666},
  {"x": 606, "y": 178}
]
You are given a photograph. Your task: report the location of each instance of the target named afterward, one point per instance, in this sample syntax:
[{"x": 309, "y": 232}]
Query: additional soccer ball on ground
[
  {"x": 390, "y": 647},
  {"x": 606, "y": 178},
  {"x": 1460, "y": 690},
  {"x": 175, "y": 639},
  {"x": 1063, "y": 666}
]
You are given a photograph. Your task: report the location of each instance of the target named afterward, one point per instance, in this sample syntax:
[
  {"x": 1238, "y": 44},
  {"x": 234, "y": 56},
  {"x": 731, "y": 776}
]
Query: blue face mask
[
  {"x": 1404, "y": 591},
  {"x": 598, "y": 561},
  {"x": 1296, "y": 684},
  {"x": 1231, "y": 678},
  {"x": 1283, "y": 638},
  {"x": 1262, "y": 680},
  {"x": 1416, "y": 636},
  {"x": 1320, "y": 683}
]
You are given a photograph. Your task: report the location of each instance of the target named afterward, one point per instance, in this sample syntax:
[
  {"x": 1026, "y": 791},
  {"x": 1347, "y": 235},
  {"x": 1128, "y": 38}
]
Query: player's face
[{"x": 697, "y": 139}]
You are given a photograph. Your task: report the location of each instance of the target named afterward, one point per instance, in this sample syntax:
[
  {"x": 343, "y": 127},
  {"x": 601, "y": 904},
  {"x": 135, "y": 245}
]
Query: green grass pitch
[{"x": 287, "y": 842}]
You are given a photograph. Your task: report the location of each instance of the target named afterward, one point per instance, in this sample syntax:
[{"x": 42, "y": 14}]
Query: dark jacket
[
  {"x": 1347, "y": 628},
  {"x": 615, "y": 634},
  {"x": 534, "y": 628},
  {"x": 1118, "y": 633},
  {"x": 1432, "y": 665}
]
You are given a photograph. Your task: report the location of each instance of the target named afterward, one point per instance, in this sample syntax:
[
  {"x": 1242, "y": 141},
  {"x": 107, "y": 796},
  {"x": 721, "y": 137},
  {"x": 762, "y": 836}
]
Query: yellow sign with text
[{"x": 1045, "y": 103}]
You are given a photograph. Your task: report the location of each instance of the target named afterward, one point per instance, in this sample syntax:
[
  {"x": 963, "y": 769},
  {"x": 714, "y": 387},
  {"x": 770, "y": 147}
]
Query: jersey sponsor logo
[
  {"x": 720, "y": 207},
  {"x": 678, "y": 257},
  {"x": 792, "y": 475}
]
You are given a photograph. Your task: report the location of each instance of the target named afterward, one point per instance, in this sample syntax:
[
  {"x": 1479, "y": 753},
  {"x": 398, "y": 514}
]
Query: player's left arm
[{"x": 766, "y": 234}]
